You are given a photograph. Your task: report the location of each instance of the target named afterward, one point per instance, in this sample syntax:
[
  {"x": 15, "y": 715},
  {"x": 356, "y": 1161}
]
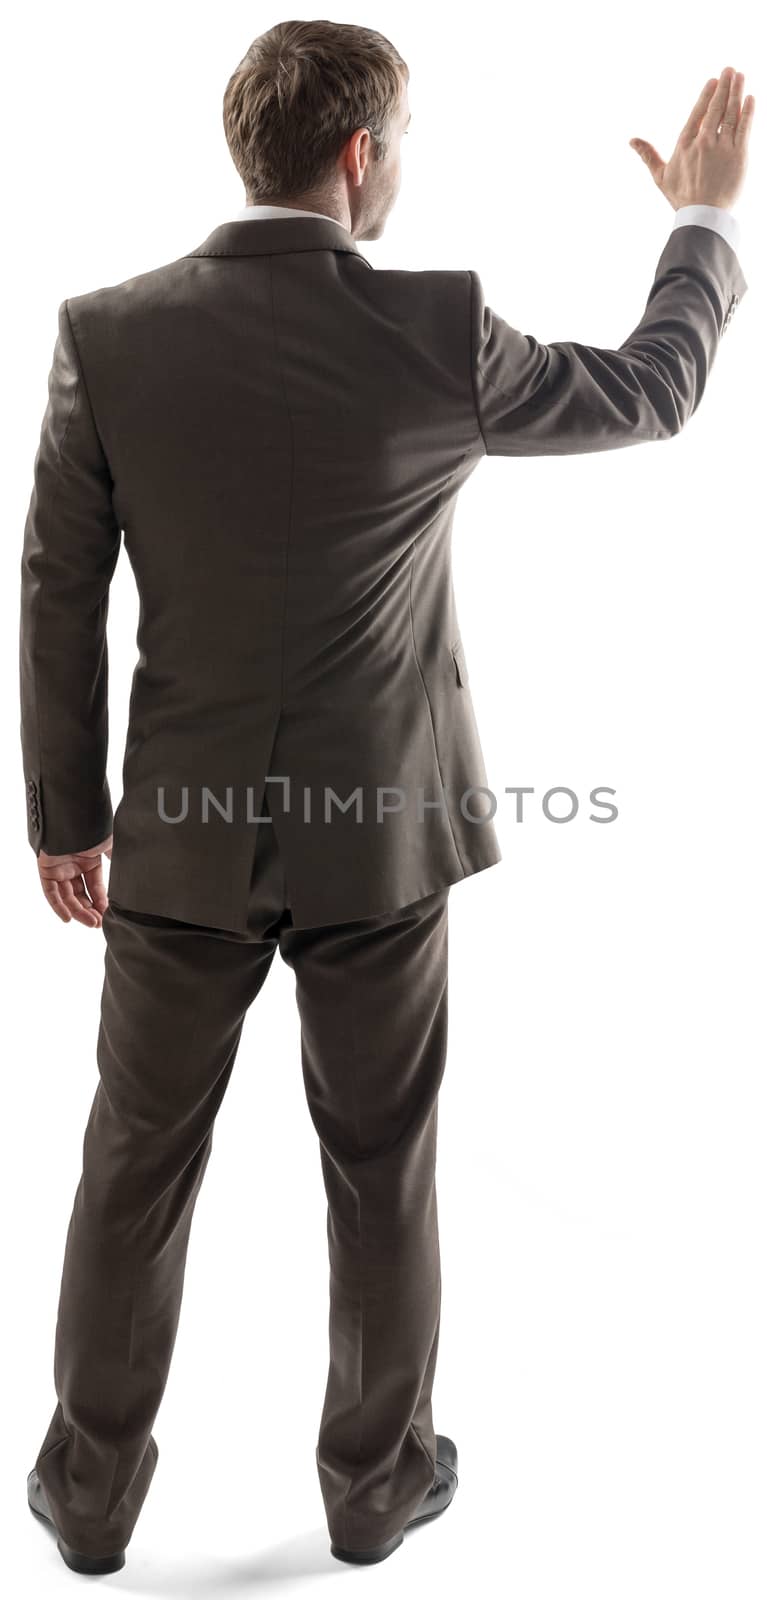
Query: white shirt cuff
[{"x": 716, "y": 217}]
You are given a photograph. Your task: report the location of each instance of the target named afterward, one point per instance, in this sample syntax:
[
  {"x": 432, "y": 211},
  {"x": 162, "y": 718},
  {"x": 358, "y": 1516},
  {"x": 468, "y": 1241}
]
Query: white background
[{"x": 602, "y": 1119}]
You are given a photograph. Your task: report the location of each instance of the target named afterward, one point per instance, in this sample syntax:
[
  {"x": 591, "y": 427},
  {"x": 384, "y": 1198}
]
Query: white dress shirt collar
[{"x": 258, "y": 211}]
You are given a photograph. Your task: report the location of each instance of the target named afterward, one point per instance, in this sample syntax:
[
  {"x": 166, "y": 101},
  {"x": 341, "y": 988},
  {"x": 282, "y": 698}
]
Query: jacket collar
[{"x": 258, "y": 236}]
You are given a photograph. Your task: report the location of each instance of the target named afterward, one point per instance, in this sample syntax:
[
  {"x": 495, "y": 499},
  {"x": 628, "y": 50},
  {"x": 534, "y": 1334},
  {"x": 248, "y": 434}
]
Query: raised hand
[{"x": 708, "y": 165}]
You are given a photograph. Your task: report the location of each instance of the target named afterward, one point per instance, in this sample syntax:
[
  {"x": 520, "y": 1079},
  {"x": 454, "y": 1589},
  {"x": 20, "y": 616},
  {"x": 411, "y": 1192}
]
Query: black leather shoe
[
  {"x": 38, "y": 1502},
  {"x": 435, "y": 1501}
]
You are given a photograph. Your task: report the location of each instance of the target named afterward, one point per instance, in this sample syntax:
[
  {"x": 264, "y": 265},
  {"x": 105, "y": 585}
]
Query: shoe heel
[
  {"x": 366, "y": 1558},
  {"x": 93, "y": 1565}
]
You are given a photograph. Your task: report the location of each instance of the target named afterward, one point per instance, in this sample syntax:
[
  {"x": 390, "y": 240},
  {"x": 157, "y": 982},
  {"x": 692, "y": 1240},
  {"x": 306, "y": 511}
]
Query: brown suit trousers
[{"x": 372, "y": 999}]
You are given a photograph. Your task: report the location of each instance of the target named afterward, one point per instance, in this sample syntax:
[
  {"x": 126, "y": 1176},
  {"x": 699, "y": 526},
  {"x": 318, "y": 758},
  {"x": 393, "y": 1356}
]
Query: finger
[
  {"x": 693, "y": 121},
  {"x": 650, "y": 157},
  {"x": 76, "y": 907},
  {"x": 80, "y": 904},
  {"x": 53, "y": 896},
  {"x": 745, "y": 120},
  {"x": 732, "y": 108},
  {"x": 93, "y": 878},
  {"x": 83, "y": 895},
  {"x": 716, "y": 105}
]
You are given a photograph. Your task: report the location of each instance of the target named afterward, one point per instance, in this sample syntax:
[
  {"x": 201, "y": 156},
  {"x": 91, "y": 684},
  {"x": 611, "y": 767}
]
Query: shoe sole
[{"x": 93, "y": 1566}]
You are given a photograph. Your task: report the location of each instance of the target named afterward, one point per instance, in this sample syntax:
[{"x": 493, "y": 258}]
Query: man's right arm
[{"x": 566, "y": 398}]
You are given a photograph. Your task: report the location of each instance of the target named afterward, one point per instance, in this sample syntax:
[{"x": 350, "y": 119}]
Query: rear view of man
[{"x": 278, "y": 432}]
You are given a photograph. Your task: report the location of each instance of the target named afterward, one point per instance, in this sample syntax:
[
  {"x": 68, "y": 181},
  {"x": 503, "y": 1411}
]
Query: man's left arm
[{"x": 71, "y": 545}]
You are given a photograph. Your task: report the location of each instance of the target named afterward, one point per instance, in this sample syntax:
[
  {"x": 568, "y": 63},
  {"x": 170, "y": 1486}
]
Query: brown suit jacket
[{"x": 279, "y": 432}]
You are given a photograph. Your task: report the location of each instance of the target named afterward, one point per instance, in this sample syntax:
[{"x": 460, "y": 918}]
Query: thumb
[{"x": 649, "y": 156}]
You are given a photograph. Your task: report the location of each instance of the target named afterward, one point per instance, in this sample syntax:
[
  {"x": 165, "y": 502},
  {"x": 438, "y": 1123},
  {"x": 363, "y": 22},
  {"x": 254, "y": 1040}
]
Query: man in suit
[{"x": 279, "y": 433}]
